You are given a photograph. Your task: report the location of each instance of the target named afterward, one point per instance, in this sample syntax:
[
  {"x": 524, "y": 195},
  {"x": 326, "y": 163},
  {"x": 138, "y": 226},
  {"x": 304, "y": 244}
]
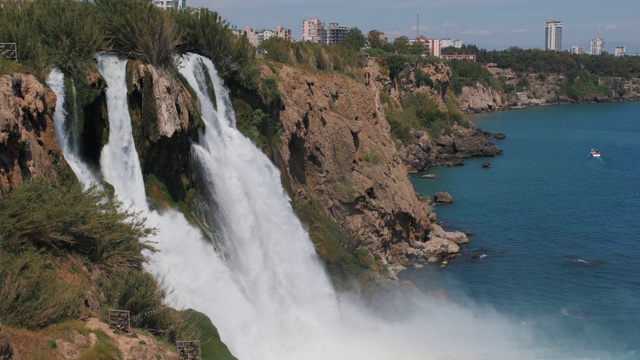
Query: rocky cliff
[
  {"x": 165, "y": 116},
  {"x": 338, "y": 150},
  {"x": 28, "y": 143},
  {"x": 533, "y": 89},
  {"x": 448, "y": 149}
]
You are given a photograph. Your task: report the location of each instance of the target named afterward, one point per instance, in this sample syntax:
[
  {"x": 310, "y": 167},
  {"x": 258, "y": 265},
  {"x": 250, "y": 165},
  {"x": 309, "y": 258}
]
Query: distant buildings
[
  {"x": 312, "y": 30},
  {"x": 575, "y": 49},
  {"x": 283, "y": 33},
  {"x": 170, "y": 4},
  {"x": 619, "y": 51},
  {"x": 553, "y": 35},
  {"x": 256, "y": 37},
  {"x": 315, "y": 31},
  {"x": 596, "y": 46},
  {"x": 471, "y": 57},
  {"x": 435, "y": 47},
  {"x": 334, "y": 34},
  {"x": 445, "y": 43}
]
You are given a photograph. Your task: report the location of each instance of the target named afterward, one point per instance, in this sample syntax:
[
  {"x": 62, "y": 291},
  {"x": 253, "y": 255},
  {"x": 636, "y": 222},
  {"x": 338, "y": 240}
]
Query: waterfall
[
  {"x": 66, "y": 134},
  {"x": 269, "y": 295},
  {"x": 119, "y": 160}
]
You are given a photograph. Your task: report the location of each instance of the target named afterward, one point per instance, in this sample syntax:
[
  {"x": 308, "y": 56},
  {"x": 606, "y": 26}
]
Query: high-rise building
[
  {"x": 335, "y": 34},
  {"x": 283, "y": 33},
  {"x": 597, "y": 46},
  {"x": 312, "y": 30},
  {"x": 553, "y": 35},
  {"x": 619, "y": 51}
]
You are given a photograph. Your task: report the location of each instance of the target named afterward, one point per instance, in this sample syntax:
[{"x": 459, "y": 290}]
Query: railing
[{"x": 9, "y": 51}]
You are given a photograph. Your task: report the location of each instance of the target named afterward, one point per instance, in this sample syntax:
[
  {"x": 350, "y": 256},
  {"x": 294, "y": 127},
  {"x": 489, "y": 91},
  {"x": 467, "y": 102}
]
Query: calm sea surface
[{"x": 556, "y": 242}]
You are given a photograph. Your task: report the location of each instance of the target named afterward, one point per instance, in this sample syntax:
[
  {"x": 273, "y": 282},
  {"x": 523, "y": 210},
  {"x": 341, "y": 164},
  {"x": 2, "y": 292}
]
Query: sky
[{"x": 489, "y": 24}]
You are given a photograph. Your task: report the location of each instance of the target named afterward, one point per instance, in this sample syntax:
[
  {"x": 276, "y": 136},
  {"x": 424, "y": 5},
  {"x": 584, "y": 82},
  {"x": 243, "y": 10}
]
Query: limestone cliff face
[
  {"x": 28, "y": 143},
  {"x": 338, "y": 150},
  {"x": 479, "y": 98},
  {"x": 163, "y": 118}
]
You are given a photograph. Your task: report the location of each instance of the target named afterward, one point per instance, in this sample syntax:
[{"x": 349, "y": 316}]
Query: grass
[{"x": 198, "y": 326}]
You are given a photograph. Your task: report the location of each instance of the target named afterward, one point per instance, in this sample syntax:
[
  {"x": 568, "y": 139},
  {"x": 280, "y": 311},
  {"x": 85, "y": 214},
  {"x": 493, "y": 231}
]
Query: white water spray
[
  {"x": 55, "y": 80},
  {"x": 269, "y": 296}
]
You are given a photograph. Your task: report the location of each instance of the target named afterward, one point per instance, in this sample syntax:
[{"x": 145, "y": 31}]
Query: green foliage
[
  {"x": 354, "y": 39},
  {"x": 206, "y": 33},
  {"x": 143, "y": 296},
  {"x": 140, "y": 30},
  {"x": 328, "y": 238},
  {"x": 64, "y": 220},
  {"x": 269, "y": 90},
  {"x": 557, "y": 62},
  {"x": 421, "y": 112},
  {"x": 198, "y": 326},
  {"x": 105, "y": 349},
  {"x": 313, "y": 57},
  {"x": 374, "y": 40},
  {"x": 583, "y": 87},
  {"x": 467, "y": 73},
  {"x": 34, "y": 295},
  {"x": 422, "y": 78},
  {"x": 396, "y": 63},
  {"x": 65, "y": 33}
]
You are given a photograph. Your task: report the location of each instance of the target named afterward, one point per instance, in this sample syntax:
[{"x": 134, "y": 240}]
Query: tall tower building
[
  {"x": 312, "y": 30},
  {"x": 553, "y": 35},
  {"x": 596, "y": 46}
]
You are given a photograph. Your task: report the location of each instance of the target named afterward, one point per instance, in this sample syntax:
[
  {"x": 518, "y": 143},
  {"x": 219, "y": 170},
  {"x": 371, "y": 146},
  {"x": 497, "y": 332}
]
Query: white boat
[{"x": 594, "y": 153}]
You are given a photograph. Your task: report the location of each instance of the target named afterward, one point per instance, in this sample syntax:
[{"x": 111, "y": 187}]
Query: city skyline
[{"x": 489, "y": 24}]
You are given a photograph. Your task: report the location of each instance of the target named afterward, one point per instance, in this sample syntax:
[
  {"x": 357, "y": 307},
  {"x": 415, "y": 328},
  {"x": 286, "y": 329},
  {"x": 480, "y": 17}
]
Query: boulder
[
  {"x": 442, "y": 197},
  {"x": 6, "y": 349}
]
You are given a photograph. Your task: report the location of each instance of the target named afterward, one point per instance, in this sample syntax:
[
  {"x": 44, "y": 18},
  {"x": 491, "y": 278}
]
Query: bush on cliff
[
  {"x": 140, "y": 30},
  {"x": 52, "y": 239},
  {"x": 313, "y": 57}
]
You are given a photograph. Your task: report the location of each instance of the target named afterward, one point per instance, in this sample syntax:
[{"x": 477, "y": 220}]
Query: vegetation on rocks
[{"x": 67, "y": 253}]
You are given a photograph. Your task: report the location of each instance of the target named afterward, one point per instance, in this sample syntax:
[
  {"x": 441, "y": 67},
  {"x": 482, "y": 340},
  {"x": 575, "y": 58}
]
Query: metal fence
[{"x": 9, "y": 51}]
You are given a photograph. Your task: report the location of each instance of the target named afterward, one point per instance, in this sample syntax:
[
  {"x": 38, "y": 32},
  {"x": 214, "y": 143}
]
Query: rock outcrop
[
  {"x": 6, "y": 349},
  {"x": 448, "y": 150},
  {"x": 338, "y": 149},
  {"x": 28, "y": 143},
  {"x": 479, "y": 98},
  {"x": 164, "y": 114}
]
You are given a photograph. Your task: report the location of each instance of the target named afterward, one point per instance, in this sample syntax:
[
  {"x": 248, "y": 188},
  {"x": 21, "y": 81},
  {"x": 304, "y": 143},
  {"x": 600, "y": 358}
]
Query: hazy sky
[{"x": 490, "y": 24}]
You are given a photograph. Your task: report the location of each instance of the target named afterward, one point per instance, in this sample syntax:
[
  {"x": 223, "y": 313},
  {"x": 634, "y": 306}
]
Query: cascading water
[
  {"x": 65, "y": 133},
  {"x": 269, "y": 295}
]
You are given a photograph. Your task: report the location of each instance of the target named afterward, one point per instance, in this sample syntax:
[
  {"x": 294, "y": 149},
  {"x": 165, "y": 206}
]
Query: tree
[
  {"x": 374, "y": 39},
  {"x": 354, "y": 39},
  {"x": 401, "y": 44}
]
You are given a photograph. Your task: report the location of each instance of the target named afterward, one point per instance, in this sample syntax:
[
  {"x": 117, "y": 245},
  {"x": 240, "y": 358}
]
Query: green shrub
[
  {"x": 66, "y": 220},
  {"x": 198, "y": 326},
  {"x": 33, "y": 294},
  {"x": 141, "y": 294},
  {"x": 140, "y": 30}
]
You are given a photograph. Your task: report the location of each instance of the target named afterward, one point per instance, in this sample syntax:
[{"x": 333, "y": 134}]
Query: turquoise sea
[{"x": 556, "y": 244}]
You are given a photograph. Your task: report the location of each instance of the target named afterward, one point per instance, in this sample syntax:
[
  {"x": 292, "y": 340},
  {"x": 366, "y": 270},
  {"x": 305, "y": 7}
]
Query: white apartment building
[
  {"x": 313, "y": 30},
  {"x": 447, "y": 42},
  {"x": 170, "y": 4},
  {"x": 575, "y": 49},
  {"x": 435, "y": 47},
  {"x": 619, "y": 51},
  {"x": 596, "y": 46},
  {"x": 553, "y": 35}
]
